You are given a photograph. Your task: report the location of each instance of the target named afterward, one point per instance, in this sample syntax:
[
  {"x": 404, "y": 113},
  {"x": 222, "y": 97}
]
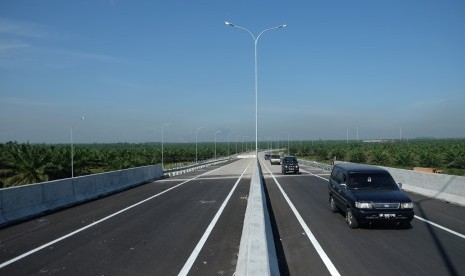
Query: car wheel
[
  {"x": 332, "y": 205},
  {"x": 351, "y": 220}
]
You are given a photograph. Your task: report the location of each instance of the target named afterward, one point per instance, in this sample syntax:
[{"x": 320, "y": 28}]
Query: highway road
[
  {"x": 192, "y": 224},
  {"x": 154, "y": 229},
  {"x": 313, "y": 241}
]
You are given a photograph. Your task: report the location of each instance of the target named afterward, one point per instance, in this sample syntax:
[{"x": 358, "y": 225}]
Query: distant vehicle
[
  {"x": 275, "y": 159},
  {"x": 267, "y": 156},
  {"x": 289, "y": 164},
  {"x": 368, "y": 194}
]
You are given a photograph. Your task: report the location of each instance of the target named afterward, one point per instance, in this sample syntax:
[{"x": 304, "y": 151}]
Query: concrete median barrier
[{"x": 257, "y": 253}]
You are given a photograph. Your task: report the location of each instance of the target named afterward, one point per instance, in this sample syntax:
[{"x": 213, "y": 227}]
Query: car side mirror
[
  {"x": 343, "y": 185},
  {"x": 400, "y": 185}
]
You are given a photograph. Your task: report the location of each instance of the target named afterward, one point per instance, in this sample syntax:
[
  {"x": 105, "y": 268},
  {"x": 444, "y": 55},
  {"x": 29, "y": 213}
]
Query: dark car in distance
[
  {"x": 289, "y": 164},
  {"x": 267, "y": 156},
  {"x": 368, "y": 194}
]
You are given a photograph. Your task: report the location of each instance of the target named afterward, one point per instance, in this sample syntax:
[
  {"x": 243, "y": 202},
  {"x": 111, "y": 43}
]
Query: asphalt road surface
[
  {"x": 321, "y": 243},
  {"x": 192, "y": 224},
  {"x": 153, "y": 229}
]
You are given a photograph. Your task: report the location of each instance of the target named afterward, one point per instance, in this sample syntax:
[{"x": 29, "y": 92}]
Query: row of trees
[
  {"x": 448, "y": 155},
  {"x": 27, "y": 163}
]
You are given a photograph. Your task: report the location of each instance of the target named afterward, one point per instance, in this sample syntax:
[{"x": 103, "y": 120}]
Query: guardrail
[
  {"x": 450, "y": 188},
  {"x": 316, "y": 165},
  {"x": 193, "y": 167},
  {"x": 19, "y": 203},
  {"x": 257, "y": 253}
]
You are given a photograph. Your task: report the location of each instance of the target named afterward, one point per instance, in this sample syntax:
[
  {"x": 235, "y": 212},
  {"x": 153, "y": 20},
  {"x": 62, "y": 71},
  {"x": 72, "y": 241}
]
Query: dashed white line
[
  {"x": 22, "y": 256},
  {"x": 190, "y": 261}
]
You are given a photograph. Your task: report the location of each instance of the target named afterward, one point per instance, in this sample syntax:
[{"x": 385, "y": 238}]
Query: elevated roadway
[
  {"x": 191, "y": 225},
  {"x": 154, "y": 229},
  {"x": 313, "y": 241}
]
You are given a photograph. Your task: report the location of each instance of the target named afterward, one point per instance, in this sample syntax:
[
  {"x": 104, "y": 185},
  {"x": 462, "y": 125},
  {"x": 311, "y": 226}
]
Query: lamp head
[{"x": 228, "y": 23}]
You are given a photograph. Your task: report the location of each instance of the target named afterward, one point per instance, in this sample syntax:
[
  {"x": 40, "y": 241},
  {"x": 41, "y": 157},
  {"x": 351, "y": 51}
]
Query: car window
[
  {"x": 289, "y": 159},
  {"x": 371, "y": 181}
]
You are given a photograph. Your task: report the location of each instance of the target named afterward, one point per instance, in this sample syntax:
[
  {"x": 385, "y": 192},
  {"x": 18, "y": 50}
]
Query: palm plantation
[{"x": 26, "y": 163}]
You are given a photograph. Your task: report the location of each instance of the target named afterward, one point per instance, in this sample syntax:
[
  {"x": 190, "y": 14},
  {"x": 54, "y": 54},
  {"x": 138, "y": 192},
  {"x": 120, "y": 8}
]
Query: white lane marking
[
  {"x": 419, "y": 218},
  {"x": 317, "y": 175},
  {"x": 329, "y": 265},
  {"x": 441, "y": 227},
  {"x": 22, "y": 256},
  {"x": 190, "y": 261},
  {"x": 200, "y": 178}
]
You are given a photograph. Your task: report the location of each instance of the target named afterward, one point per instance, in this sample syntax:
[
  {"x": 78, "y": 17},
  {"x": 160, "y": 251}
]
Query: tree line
[
  {"x": 447, "y": 154},
  {"x": 24, "y": 163}
]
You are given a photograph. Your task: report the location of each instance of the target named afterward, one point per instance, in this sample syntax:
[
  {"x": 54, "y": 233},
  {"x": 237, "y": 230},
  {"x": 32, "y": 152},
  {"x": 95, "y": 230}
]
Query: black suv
[
  {"x": 368, "y": 194},
  {"x": 289, "y": 164}
]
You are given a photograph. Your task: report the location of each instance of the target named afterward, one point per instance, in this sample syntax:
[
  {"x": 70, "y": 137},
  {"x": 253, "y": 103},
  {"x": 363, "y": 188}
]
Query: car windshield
[
  {"x": 275, "y": 156},
  {"x": 289, "y": 160},
  {"x": 371, "y": 181}
]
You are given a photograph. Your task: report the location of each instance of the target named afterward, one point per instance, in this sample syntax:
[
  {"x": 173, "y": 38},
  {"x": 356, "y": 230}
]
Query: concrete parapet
[
  {"x": 257, "y": 253},
  {"x": 450, "y": 188},
  {"x": 17, "y": 203}
]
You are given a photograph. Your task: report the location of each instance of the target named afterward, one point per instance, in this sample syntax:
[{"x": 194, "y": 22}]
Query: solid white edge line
[
  {"x": 190, "y": 261},
  {"x": 329, "y": 265},
  {"x": 441, "y": 227},
  {"x": 22, "y": 256},
  {"x": 417, "y": 217}
]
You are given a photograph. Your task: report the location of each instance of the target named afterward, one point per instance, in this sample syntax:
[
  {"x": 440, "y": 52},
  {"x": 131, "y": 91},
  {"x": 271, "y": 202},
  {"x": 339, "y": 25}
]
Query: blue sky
[{"x": 130, "y": 67}]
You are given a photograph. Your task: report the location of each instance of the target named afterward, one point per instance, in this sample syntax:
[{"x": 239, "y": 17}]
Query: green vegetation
[
  {"x": 447, "y": 155},
  {"x": 27, "y": 163},
  {"x": 31, "y": 163}
]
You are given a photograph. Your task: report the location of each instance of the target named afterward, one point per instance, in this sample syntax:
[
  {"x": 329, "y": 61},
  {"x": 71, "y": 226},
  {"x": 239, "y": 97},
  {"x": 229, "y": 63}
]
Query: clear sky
[{"x": 383, "y": 67}]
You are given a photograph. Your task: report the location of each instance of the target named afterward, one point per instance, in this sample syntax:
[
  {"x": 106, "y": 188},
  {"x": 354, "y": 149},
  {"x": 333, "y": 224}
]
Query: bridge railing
[
  {"x": 450, "y": 188},
  {"x": 22, "y": 202}
]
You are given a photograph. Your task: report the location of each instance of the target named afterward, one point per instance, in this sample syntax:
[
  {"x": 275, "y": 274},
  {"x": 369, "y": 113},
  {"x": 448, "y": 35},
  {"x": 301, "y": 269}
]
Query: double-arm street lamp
[
  {"x": 72, "y": 146},
  {"x": 255, "y": 39}
]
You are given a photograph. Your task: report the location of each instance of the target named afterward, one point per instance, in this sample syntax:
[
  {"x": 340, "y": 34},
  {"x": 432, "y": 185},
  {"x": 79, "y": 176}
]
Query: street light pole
[
  {"x": 72, "y": 146},
  {"x": 196, "y": 134},
  {"x": 218, "y": 131},
  {"x": 287, "y": 142},
  {"x": 229, "y": 134},
  {"x": 255, "y": 39},
  {"x": 162, "y": 138}
]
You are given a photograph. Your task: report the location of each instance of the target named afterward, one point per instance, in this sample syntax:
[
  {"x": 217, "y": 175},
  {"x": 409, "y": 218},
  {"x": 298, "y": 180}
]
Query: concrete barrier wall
[
  {"x": 21, "y": 202},
  {"x": 257, "y": 253},
  {"x": 193, "y": 167},
  {"x": 450, "y": 188}
]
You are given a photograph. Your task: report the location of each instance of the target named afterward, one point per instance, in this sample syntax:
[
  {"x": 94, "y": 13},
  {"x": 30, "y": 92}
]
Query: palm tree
[{"x": 24, "y": 164}]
